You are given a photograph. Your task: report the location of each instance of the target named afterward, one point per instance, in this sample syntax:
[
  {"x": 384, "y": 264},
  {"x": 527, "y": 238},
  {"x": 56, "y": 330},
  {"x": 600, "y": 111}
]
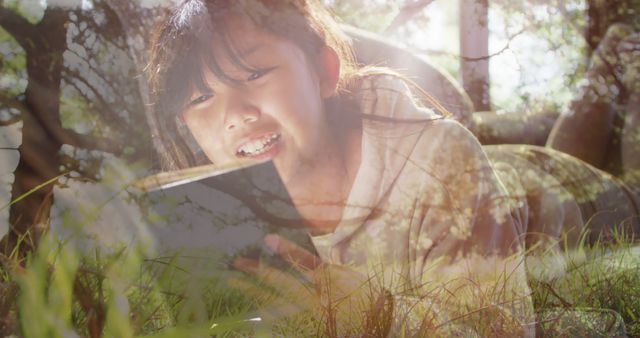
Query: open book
[{"x": 226, "y": 210}]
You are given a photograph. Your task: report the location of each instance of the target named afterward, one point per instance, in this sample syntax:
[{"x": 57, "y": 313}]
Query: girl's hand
[{"x": 342, "y": 299}]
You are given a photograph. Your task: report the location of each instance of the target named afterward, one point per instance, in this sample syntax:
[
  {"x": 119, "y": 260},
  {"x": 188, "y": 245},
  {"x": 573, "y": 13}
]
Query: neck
[{"x": 321, "y": 199}]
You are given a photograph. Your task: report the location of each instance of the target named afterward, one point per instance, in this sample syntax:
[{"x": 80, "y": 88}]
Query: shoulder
[
  {"x": 445, "y": 143},
  {"x": 387, "y": 95},
  {"x": 439, "y": 148}
]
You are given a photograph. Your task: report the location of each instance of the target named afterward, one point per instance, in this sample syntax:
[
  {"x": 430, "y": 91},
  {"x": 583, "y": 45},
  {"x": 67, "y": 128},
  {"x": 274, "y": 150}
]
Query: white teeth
[{"x": 257, "y": 147}]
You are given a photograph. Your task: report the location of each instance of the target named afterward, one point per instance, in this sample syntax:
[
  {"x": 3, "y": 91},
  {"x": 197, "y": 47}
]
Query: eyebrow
[{"x": 247, "y": 52}]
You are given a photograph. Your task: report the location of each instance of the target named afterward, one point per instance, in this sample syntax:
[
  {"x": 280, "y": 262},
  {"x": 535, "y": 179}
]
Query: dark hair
[{"x": 183, "y": 46}]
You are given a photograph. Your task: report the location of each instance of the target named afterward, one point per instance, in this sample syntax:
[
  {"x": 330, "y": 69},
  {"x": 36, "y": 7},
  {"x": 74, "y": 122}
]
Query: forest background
[{"x": 73, "y": 135}]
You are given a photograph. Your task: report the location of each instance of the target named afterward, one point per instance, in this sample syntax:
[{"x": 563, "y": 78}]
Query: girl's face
[{"x": 274, "y": 111}]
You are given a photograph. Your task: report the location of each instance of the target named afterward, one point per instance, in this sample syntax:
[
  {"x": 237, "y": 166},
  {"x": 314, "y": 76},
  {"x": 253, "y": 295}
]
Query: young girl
[{"x": 386, "y": 187}]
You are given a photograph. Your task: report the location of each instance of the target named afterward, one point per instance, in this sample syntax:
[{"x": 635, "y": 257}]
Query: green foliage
[
  {"x": 32, "y": 10},
  {"x": 538, "y": 49},
  {"x": 76, "y": 113},
  {"x": 12, "y": 66},
  {"x": 47, "y": 294},
  {"x": 61, "y": 291},
  {"x": 119, "y": 293},
  {"x": 550, "y": 30},
  {"x": 116, "y": 294},
  {"x": 596, "y": 280}
]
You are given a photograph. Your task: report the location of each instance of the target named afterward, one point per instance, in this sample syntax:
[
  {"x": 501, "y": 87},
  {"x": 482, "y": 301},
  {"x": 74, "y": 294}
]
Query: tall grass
[
  {"x": 598, "y": 292},
  {"x": 59, "y": 291}
]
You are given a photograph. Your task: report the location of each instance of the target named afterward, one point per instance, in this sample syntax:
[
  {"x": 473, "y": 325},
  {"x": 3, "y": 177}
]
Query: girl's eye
[
  {"x": 259, "y": 73},
  {"x": 200, "y": 99}
]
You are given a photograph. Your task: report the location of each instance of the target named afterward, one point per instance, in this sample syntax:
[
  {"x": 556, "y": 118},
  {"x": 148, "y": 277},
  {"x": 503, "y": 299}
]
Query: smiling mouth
[{"x": 258, "y": 146}]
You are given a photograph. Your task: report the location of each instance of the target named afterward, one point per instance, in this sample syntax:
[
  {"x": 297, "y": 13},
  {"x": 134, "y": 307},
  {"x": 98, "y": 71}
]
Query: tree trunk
[
  {"x": 603, "y": 13},
  {"x": 39, "y": 160},
  {"x": 474, "y": 49}
]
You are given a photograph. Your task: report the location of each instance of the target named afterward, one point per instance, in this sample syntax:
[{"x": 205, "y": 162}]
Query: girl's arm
[{"x": 468, "y": 259}]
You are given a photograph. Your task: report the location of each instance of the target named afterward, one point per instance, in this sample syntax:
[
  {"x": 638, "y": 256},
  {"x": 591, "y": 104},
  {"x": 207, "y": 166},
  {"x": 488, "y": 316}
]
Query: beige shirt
[
  {"x": 423, "y": 189},
  {"x": 425, "y": 200}
]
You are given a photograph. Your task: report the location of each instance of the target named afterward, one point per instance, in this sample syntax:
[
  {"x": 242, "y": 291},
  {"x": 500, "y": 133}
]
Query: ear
[{"x": 328, "y": 71}]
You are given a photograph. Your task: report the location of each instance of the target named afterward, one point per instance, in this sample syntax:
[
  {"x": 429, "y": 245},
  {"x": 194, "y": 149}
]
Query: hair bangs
[{"x": 222, "y": 46}]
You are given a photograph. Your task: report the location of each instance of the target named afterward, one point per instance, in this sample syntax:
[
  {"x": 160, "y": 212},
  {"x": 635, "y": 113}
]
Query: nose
[
  {"x": 240, "y": 113},
  {"x": 249, "y": 115}
]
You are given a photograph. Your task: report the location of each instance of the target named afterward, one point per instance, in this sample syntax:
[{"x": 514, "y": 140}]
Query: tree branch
[
  {"x": 13, "y": 102},
  {"x": 406, "y": 13},
  {"x": 102, "y": 107},
  {"x": 480, "y": 58},
  {"x": 69, "y": 75},
  {"x": 96, "y": 72},
  {"x": 504, "y": 49},
  {"x": 70, "y": 137},
  {"x": 104, "y": 31},
  {"x": 22, "y": 30},
  {"x": 90, "y": 142}
]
